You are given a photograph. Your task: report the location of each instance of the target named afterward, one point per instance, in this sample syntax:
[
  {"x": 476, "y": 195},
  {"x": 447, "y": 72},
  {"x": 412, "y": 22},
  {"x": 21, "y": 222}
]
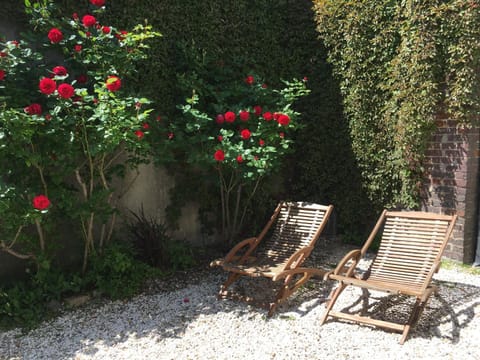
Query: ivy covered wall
[
  {"x": 405, "y": 69},
  {"x": 278, "y": 40}
]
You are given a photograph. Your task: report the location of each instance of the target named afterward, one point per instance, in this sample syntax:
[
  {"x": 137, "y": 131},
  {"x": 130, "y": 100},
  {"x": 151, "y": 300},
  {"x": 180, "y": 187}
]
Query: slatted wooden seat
[
  {"x": 410, "y": 252},
  {"x": 296, "y": 228}
]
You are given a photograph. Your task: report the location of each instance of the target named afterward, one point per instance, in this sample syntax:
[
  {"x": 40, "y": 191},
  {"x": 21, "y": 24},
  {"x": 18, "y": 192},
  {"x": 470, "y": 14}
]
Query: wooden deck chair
[
  {"x": 296, "y": 228},
  {"x": 410, "y": 252}
]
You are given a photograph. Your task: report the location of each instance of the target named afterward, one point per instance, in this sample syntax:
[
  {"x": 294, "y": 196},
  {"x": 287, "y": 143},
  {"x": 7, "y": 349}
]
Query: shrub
[
  {"x": 154, "y": 246},
  {"x": 240, "y": 128},
  {"x": 68, "y": 127}
]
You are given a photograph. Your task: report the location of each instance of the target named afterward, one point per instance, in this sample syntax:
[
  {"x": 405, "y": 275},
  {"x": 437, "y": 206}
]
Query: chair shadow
[
  {"x": 447, "y": 312},
  {"x": 260, "y": 292}
]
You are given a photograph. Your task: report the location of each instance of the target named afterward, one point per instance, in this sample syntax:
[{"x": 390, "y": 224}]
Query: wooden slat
[
  {"x": 366, "y": 320},
  {"x": 415, "y": 215},
  {"x": 409, "y": 248},
  {"x": 295, "y": 228}
]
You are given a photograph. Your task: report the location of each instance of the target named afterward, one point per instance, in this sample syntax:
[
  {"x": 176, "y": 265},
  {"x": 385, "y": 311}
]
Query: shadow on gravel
[
  {"x": 159, "y": 315},
  {"x": 446, "y": 314},
  {"x": 167, "y": 311}
]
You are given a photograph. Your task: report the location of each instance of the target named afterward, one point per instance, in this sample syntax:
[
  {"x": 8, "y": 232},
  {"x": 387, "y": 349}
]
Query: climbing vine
[{"x": 400, "y": 64}]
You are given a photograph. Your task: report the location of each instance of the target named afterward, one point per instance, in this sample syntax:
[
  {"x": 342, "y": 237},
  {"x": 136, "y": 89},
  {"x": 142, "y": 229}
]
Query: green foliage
[
  {"x": 63, "y": 146},
  {"x": 154, "y": 246},
  {"x": 71, "y": 141},
  {"x": 459, "y": 266},
  {"x": 399, "y": 65},
  {"x": 240, "y": 129},
  {"x": 26, "y": 303},
  {"x": 21, "y": 306},
  {"x": 180, "y": 256},
  {"x": 230, "y": 39},
  {"x": 274, "y": 38},
  {"x": 116, "y": 273}
]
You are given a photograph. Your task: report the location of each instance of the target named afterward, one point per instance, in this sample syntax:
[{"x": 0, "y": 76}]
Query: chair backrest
[
  {"x": 298, "y": 224},
  {"x": 411, "y": 247}
]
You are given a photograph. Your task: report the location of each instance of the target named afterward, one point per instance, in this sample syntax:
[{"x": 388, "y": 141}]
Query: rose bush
[
  {"x": 242, "y": 131},
  {"x": 68, "y": 127}
]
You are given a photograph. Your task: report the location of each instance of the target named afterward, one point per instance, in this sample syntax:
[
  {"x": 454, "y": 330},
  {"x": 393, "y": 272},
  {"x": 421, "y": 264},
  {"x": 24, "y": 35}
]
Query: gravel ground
[{"x": 181, "y": 318}]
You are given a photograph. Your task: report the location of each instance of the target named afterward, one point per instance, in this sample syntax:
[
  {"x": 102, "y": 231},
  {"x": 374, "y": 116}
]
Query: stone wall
[{"x": 452, "y": 184}]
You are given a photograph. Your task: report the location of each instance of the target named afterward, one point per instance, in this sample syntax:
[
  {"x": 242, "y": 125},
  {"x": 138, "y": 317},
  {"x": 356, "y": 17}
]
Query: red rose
[
  {"x": 249, "y": 79},
  {"x": 3, "y": 54},
  {"x": 66, "y": 91},
  {"x": 139, "y": 134},
  {"x": 245, "y": 133},
  {"x": 97, "y": 2},
  {"x": 77, "y": 48},
  {"x": 276, "y": 115},
  {"x": 33, "y": 109},
  {"x": 55, "y": 35},
  {"x": 220, "y": 138},
  {"x": 257, "y": 110},
  {"x": 88, "y": 20},
  {"x": 244, "y": 115},
  {"x": 146, "y": 126},
  {"x": 219, "y": 155},
  {"x": 283, "y": 119},
  {"x": 82, "y": 78},
  {"x": 113, "y": 83},
  {"x": 229, "y": 116},
  {"x": 47, "y": 86},
  {"x": 239, "y": 159},
  {"x": 59, "y": 70},
  {"x": 106, "y": 29},
  {"x": 267, "y": 116},
  {"x": 75, "y": 16},
  {"x": 2, "y": 74},
  {"x": 170, "y": 136},
  {"x": 220, "y": 119},
  {"x": 40, "y": 202},
  {"x": 48, "y": 117},
  {"x": 121, "y": 35},
  {"x": 261, "y": 142}
]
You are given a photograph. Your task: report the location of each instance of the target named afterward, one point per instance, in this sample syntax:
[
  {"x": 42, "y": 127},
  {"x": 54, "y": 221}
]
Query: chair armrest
[
  {"x": 353, "y": 255},
  {"x": 250, "y": 242},
  {"x": 298, "y": 257}
]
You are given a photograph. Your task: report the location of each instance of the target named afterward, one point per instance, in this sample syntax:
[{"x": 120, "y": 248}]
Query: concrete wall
[{"x": 148, "y": 188}]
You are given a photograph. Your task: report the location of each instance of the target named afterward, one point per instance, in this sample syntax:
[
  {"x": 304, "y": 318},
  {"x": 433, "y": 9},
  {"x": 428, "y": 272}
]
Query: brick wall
[{"x": 451, "y": 184}]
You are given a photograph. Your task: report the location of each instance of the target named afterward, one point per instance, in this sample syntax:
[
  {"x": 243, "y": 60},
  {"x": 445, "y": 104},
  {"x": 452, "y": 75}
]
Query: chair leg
[
  {"x": 413, "y": 319},
  {"x": 286, "y": 290},
  {"x": 232, "y": 277},
  {"x": 333, "y": 298}
]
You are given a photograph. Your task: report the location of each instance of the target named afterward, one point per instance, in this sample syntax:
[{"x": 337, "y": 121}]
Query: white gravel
[{"x": 190, "y": 323}]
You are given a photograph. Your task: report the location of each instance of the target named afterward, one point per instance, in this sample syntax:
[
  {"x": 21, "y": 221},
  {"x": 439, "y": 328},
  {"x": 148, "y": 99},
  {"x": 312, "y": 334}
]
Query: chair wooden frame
[
  {"x": 410, "y": 253},
  {"x": 296, "y": 227}
]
